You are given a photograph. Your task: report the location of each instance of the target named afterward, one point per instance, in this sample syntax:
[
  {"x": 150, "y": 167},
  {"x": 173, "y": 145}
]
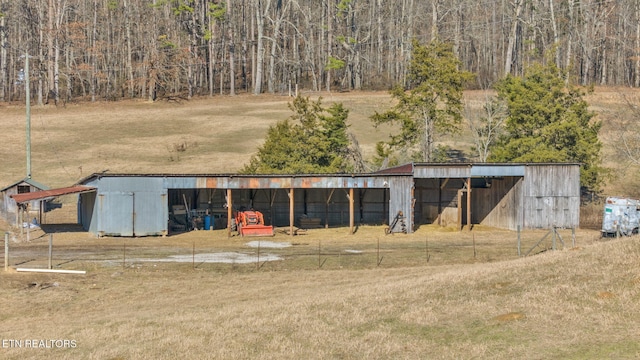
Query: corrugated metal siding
[
  {"x": 497, "y": 170},
  {"x": 86, "y": 205},
  {"x": 441, "y": 171},
  {"x": 401, "y": 199},
  {"x": 150, "y": 213},
  {"x": 115, "y": 213},
  {"x": 130, "y": 206}
]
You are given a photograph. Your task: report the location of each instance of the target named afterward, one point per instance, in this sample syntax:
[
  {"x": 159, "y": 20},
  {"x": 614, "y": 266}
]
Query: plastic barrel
[{"x": 207, "y": 222}]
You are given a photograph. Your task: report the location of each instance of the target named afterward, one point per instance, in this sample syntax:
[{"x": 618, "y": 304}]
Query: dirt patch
[
  {"x": 268, "y": 244},
  {"x": 512, "y": 316},
  {"x": 606, "y": 295},
  {"x": 222, "y": 257}
]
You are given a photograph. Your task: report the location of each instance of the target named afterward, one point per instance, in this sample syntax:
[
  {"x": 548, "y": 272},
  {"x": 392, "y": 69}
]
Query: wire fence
[{"x": 289, "y": 253}]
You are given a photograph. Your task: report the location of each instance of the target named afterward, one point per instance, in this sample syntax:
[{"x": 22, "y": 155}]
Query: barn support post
[
  {"x": 460, "y": 209},
  {"x": 229, "y": 212},
  {"x": 351, "y": 211},
  {"x": 441, "y": 186},
  {"x": 291, "y": 211}
]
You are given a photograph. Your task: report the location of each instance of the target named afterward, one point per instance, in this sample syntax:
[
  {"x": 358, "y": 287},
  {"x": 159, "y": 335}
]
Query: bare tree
[
  {"x": 487, "y": 127},
  {"x": 626, "y": 131}
]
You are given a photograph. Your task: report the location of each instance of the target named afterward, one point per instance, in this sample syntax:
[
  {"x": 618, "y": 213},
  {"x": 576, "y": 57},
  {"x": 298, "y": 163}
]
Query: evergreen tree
[
  {"x": 548, "y": 121},
  {"x": 433, "y": 102},
  {"x": 313, "y": 140}
]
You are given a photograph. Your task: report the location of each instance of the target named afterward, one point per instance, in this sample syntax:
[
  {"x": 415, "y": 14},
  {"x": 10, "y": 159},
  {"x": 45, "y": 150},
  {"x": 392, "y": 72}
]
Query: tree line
[{"x": 149, "y": 49}]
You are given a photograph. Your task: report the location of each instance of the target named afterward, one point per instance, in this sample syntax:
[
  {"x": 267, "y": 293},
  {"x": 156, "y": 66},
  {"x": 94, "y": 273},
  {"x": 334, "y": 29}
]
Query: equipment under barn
[{"x": 498, "y": 195}]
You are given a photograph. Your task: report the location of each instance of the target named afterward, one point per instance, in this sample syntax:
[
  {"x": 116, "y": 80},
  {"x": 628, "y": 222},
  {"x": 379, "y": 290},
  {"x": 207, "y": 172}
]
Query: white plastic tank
[{"x": 620, "y": 214}]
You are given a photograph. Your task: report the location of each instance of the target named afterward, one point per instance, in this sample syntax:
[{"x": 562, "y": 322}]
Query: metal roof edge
[
  {"x": 495, "y": 164},
  {"x": 29, "y": 181},
  {"x": 354, "y": 175}
]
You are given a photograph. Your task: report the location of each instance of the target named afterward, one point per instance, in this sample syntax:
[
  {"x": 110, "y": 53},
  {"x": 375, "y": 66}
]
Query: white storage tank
[{"x": 620, "y": 214}]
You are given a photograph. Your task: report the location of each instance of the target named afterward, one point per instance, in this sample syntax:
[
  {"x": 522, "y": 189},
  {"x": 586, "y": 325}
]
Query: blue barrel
[{"x": 208, "y": 223}]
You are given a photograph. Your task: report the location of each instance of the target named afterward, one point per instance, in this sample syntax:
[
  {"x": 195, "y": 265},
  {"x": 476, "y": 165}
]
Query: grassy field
[
  {"x": 436, "y": 293},
  {"x": 455, "y": 300}
]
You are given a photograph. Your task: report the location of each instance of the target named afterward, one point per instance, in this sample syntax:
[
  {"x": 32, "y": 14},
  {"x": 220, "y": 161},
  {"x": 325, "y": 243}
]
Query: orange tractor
[{"x": 251, "y": 223}]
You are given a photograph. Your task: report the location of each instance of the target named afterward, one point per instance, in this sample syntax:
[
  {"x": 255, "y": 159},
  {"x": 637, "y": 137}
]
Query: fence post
[
  {"x": 573, "y": 236},
  {"x": 6, "y": 251},
  {"x": 50, "y": 249},
  {"x": 518, "y": 229},
  {"x": 553, "y": 242}
]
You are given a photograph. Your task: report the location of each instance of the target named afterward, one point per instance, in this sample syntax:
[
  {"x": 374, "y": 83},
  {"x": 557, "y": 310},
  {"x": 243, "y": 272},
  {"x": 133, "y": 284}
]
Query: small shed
[{"x": 9, "y": 208}]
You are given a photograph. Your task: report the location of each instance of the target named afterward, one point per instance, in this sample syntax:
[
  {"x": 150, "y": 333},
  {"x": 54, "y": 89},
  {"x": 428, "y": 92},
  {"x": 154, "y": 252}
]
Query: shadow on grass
[{"x": 61, "y": 228}]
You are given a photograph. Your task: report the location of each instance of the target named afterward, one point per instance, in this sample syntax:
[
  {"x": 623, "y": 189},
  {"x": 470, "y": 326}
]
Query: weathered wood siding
[
  {"x": 499, "y": 205},
  {"x": 437, "y": 201},
  {"x": 552, "y": 196}
]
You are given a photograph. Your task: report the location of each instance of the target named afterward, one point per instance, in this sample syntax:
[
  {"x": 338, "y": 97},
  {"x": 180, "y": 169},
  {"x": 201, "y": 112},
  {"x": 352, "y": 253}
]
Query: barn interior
[{"x": 313, "y": 208}]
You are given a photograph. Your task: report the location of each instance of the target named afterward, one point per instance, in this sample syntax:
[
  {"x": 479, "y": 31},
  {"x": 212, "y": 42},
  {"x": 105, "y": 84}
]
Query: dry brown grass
[
  {"x": 433, "y": 294},
  {"x": 564, "y": 304},
  {"x": 218, "y": 135}
]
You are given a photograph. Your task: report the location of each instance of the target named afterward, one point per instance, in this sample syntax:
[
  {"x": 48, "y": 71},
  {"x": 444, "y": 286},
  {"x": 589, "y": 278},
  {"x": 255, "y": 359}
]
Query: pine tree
[
  {"x": 548, "y": 121},
  {"x": 313, "y": 140},
  {"x": 433, "y": 103}
]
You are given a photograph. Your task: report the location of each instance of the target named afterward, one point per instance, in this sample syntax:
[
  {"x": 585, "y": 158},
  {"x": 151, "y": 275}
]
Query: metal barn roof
[{"x": 44, "y": 194}]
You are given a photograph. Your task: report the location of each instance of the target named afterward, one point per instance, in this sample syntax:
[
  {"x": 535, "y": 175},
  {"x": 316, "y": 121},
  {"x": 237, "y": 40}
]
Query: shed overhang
[{"x": 46, "y": 194}]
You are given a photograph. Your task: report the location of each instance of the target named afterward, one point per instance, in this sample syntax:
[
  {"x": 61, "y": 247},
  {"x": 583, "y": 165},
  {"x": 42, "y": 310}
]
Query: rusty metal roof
[{"x": 44, "y": 194}]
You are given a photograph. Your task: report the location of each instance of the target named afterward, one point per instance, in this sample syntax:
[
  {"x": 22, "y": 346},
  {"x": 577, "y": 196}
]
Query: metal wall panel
[
  {"x": 441, "y": 171},
  {"x": 150, "y": 213},
  {"x": 86, "y": 205},
  {"x": 401, "y": 199},
  {"x": 115, "y": 213},
  {"x": 497, "y": 170}
]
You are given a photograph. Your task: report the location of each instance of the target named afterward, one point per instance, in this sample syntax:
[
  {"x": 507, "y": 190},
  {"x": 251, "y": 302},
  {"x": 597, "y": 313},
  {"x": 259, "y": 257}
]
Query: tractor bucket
[{"x": 257, "y": 230}]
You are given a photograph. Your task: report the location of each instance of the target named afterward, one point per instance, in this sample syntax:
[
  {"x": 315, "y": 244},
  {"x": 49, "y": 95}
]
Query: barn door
[
  {"x": 150, "y": 213},
  {"x": 116, "y": 214}
]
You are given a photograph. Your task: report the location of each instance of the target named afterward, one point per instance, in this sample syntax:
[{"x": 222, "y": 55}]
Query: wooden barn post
[
  {"x": 291, "y": 211},
  {"x": 229, "y": 212},
  {"x": 351, "y": 210}
]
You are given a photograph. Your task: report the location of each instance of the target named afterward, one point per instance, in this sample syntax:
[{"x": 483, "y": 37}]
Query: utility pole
[{"x": 28, "y": 105}]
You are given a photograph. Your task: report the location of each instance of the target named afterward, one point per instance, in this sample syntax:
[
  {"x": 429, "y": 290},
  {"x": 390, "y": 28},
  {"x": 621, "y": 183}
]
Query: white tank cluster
[{"x": 620, "y": 216}]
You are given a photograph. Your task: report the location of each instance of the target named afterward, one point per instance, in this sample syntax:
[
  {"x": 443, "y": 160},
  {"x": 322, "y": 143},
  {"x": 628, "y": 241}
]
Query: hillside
[
  {"x": 573, "y": 304},
  {"x": 219, "y": 134}
]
